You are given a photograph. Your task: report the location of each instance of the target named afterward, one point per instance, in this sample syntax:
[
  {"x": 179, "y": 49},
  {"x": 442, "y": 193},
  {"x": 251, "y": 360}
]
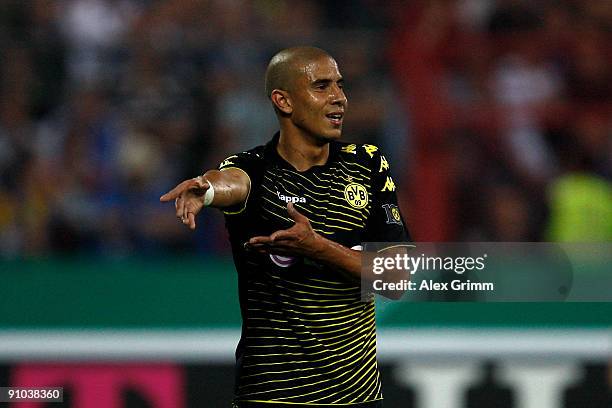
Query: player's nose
[{"x": 338, "y": 97}]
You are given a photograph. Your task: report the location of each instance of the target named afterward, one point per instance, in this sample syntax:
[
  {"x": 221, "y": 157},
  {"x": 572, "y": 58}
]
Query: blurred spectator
[
  {"x": 504, "y": 92},
  {"x": 93, "y": 30}
]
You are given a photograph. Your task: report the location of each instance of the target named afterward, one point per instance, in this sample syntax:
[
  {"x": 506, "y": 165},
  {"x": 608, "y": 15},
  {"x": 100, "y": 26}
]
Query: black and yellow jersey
[{"x": 308, "y": 338}]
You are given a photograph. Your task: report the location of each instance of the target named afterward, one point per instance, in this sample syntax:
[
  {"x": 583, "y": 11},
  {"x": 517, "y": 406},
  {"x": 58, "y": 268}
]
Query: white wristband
[{"x": 210, "y": 194}]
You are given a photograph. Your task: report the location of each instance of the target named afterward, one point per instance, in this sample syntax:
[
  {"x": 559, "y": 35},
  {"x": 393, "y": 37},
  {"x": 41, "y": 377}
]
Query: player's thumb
[
  {"x": 295, "y": 214},
  {"x": 184, "y": 186},
  {"x": 201, "y": 182}
]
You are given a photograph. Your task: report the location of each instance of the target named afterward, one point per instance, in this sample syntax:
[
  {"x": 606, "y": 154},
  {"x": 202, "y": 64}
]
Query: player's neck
[{"x": 302, "y": 152}]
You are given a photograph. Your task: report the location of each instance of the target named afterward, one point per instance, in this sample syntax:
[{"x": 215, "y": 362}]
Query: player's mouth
[{"x": 335, "y": 118}]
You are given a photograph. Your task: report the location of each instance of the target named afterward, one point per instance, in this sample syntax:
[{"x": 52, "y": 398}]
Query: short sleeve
[
  {"x": 247, "y": 162},
  {"x": 385, "y": 223}
]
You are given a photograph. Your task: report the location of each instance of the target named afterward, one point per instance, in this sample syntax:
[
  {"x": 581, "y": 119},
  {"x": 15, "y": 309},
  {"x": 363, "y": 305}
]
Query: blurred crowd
[
  {"x": 511, "y": 105},
  {"x": 106, "y": 104}
]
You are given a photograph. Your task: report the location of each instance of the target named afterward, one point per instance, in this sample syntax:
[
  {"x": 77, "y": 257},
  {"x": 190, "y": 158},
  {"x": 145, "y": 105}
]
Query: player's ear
[{"x": 281, "y": 100}]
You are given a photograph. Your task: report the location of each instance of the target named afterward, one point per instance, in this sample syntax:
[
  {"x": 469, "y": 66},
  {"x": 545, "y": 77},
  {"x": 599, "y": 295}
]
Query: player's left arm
[{"x": 302, "y": 240}]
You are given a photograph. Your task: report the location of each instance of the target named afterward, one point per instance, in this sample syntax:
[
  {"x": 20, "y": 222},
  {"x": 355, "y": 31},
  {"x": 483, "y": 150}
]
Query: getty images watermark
[
  {"x": 488, "y": 271},
  {"x": 402, "y": 263}
]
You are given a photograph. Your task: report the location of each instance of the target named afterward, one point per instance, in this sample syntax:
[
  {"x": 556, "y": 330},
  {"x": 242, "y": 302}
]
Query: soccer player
[{"x": 297, "y": 210}]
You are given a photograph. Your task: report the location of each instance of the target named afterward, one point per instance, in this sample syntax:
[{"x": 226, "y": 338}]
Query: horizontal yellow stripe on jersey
[
  {"x": 373, "y": 357},
  {"x": 315, "y": 383},
  {"x": 370, "y": 346},
  {"x": 307, "y": 404}
]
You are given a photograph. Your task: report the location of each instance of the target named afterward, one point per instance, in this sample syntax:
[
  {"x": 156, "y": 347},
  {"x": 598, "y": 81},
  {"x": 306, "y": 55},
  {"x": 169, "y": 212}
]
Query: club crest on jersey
[
  {"x": 356, "y": 195},
  {"x": 290, "y": 199}
]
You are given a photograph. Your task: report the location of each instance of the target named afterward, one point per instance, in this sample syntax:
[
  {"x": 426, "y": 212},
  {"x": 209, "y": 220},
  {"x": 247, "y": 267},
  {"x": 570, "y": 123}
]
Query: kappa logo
[
  {"x": 290, "y": 199},
  {"x": 228, "y": 161},
  {"x": 389, "y": 185}
]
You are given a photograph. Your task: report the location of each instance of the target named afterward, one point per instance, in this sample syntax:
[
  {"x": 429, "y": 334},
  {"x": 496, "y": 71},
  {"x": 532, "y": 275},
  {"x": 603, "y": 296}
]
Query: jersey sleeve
[
  {"x": 246, "y": 162},
  {"x": 385, "y": 223}
]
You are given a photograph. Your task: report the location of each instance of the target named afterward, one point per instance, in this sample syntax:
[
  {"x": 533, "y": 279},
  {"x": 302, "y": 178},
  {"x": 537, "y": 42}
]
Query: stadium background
[{"x": 496, "y": 118}]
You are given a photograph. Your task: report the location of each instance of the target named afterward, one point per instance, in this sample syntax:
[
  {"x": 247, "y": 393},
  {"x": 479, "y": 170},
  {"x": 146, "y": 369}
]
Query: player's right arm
[{"x": 231, "y": 188}]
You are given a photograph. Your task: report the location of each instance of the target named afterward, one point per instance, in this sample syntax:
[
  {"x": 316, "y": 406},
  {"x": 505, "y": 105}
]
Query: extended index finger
[
  {"x": 260, "y": 240},
  {"x": 179, "y": 189}
]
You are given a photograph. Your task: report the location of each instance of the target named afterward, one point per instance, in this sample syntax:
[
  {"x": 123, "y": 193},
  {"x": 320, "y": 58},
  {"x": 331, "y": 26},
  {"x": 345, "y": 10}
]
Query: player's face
[{"x": 318, "y": 100}]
